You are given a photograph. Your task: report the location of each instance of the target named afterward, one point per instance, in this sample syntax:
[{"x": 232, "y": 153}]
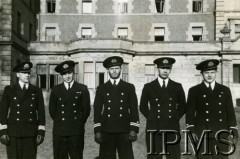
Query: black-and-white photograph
[{"x": 119, "y": 79}]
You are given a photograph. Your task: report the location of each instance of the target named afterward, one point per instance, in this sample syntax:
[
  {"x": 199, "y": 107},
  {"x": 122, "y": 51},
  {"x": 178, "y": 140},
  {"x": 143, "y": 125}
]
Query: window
[
  {"x": 197, "y": 6},
  {"x": 30, "y": 32},
  {"x": 87, "y": 6},
  {"x": 50, "y": 34},
  {"x": 123, "y": 33},
  {"x": 159, "y": 5},
  {"x": 159, "y": 33},
  {"x": 236, "y": 73},
  {"x": 149, "y": 73},
  {"x": 51, "y": 6},
  {"x": 20, "y": 25},
  {"x": 123, "y": 7},
  {"x": 101, "y": 77},
  {"x": 88, "y": 74},
  {"x": 125, "y": 72},
  {"x": 197, "y": 33},
  {"x": 86, "y": 32},
  {"x": 237, "y": 30},
  {"x": 42, "y": 76}
]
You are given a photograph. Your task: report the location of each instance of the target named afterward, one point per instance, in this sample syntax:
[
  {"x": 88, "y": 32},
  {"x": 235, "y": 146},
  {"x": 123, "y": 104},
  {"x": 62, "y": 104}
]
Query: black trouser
[
  {"x": 212, "y": 144},
  {"x": 68, "y": 146},
  {"x": 22, "y": 148},
  {"x": 156, "y": 146},
  {"x": 112, "y": 142}
]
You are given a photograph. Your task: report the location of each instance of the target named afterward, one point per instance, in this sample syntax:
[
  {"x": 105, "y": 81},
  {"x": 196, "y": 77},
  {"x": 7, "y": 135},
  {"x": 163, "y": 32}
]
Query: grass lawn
[{"x": 91, "y": 148}]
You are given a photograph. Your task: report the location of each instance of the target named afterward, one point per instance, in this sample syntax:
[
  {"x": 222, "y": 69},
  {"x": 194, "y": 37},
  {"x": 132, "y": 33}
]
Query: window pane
[
  {"x": 236, "y": 73},
  {"x": 197, "y": 6},
  {"x": 159, "y": 31},
  {"x": 197, "y": 30},
  {"x": 150, "y": 69},
  {"x": 87, "y": 7},
  {"x": 123, "y": 7},
  {"x": 124, "y": 68},
  {"x": 52, "y": 69},
  {"x": 42, "y": 81},
  {"x": 88, "y": 67},
  {"x": 50, "y": 33},
  {"x": 122, "y": 31},
  {"x": 41, "y": 69},
  {"x": 88, "y": 80},
  {"x": 86, "y": 31},
  {"x": 99, "y": 67}
]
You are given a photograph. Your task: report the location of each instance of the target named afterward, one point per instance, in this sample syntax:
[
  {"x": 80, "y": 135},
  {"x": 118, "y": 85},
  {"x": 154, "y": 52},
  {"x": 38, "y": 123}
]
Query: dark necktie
[
  {"x": 24, "y": 87},
  {"x": 69, "y": 86},
  {"x": 163, "y": 86},
  {"x": 114, "y": 83},
  {"x": 209, "y": 87}
]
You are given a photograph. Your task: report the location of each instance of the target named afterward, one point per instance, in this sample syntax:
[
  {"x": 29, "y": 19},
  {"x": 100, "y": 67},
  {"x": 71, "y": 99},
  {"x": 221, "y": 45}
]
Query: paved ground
[{"x": 91, "y": 148}]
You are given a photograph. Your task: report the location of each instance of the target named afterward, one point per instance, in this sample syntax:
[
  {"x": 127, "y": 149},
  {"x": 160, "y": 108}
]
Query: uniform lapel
[
  {"x": 27, "y": 94},
  {"x": 68, "y": 93}
]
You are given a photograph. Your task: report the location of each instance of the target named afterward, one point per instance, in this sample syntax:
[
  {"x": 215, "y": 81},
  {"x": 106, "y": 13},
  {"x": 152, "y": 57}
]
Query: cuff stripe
[
  {"x": 41, "y": 127},
  {"x": 97, "y": 125},
  {"x": 134, "y": 124},
  {"x": 3, "y": 127}
]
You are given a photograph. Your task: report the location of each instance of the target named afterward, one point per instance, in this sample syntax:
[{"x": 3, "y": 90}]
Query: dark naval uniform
[
  {"x": 115, "y": 114},
  {"x": 163, "y": 106},
  {"x": 22, "y": 118},
  {"x": 167, "y": 106},
  {"x": 69, "y": 109},
  {"x": 210, "y": 110}
]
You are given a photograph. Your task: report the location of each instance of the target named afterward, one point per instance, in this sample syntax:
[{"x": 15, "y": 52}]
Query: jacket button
[
  {"x": 75, "y": 118},
  {"x": 62, "y": 105},
  {"x": 206, "y": 103},
  {"x": 30, "y": 119},
  {"x": 220, "y": 119},
  {"x": 109, "y": 108},
  {"x": 60, "y": 98},
  {"x": 74, "y": 104},
  {"x": 122, "y": 94},
  {"x": 170, "y": 116},
  {"x": 121, "y": 101},
  {"x": 18, "y": 112},
  {"x": 158, "y": 117},
  {"x": 63, "y": 119},
  {"x": 108, "y": 115},
  {"x": 170, "y": 104},
  {"x": 15, "y": 98},
  {"x": 207, "y": 119},
  {"x": 220, "y": 103},
  {"x": 62, "y": 112},
  {"x": 159, "y": 105},
  {"x": 107, "y": 94},
  {"x": 120, "y": 115},
  {"x": 120, "y": 108},
  {"x": 17, "y": 119},
  {"x": 158, "y": 110},
  {"x": 75, "y": 111},
  {"x": 220, "y": 111},
  {"x": 170, "y": 98},
  {"x": 109, "y": 101},
  {"x": 30, "y": 112},
  {"x": 204, "y": 96},
  {"x": 156, "y": 99},
  {"x": 170, "y": 110},
  {"x": 220, "y": 95},
  {"x": 18, "y": 105},
  {"x": 76, "y": 97},
  {"x": 31, "y": 105},
  {"x": 207, "y": 112}
]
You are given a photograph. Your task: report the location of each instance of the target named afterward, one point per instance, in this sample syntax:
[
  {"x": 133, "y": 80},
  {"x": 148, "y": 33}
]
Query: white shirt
[
  {"x": 117, "y": 81},
  {"x": 160, "y": 80},
  {"x": 211, "y": 84},
  {"x": 22, "y": 84},
  {"x": 66, "y": 84}
]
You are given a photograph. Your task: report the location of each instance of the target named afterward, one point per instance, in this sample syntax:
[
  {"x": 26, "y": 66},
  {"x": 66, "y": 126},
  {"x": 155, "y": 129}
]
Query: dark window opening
[
  {"x": 160, "y": 5},
  {"x": 197, "y": 6},
  {"x": 101, "y": 78},
  {"x": 197, "y": 37},
  {"x": 159, "y": 38},
  {"x": 42, "y": 81},
  {"x": 51, "y": 6}
]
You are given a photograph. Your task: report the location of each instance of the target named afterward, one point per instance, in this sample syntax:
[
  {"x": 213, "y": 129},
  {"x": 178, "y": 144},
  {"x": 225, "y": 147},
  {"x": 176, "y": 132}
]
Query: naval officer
[
  {"x": 69, "y": 107},
  {"x": 210, "y": 107},
  {"x": 116, "y": 118},
  {"x": 163, "y": 104},
  {"x": 22, "y": 116}
]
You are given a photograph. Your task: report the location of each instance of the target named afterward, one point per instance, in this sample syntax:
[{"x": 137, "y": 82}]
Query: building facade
[
  {"x": 88, "y": 31},
  {"x": 18, "y": 25}
]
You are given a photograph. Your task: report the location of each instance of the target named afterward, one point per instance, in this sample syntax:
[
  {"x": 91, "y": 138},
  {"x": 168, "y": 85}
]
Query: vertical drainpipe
[{"x": 221, "y": 55}]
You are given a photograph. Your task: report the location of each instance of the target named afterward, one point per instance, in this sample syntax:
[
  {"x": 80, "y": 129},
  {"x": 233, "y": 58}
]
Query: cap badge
[
  {"x": 165, "y": 61},
  {"x": 210, "y": 64},
  {"x": 114, "y": 61},
  {"x": 26, "y": 66},
  {"x": 65, "y": 66}
]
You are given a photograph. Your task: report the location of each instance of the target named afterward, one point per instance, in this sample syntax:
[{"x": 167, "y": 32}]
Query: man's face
[
  {"x": 114, "y": 72},
  {"x": 209, "y": 76},
  {"x": 24, "y": 76},
  {"x": 164, "y": 72},
  {"x": 67, "y": 76}
]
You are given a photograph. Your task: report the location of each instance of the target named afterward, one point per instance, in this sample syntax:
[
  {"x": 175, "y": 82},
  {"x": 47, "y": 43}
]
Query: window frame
[
  {"x": 159, "y": 37},
  {"x": 122, "y": 36},
  {"x": 160, "y": 6},
  {"x": 51, "y": 6},
  {"x": 84, "y": 11},
  {"x": 197, "y": 6}
]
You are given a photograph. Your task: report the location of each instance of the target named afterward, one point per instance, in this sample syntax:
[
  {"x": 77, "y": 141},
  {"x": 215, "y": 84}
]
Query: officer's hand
[
  {"x": 39, "y": 139},
  {"x": 4, "y": 139},
  {"x": 233, "y": 136},
  {"x": 98, "y": 138},
  {"x": 195, "y": 137},
  {"x": 132, "y": 136}
]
